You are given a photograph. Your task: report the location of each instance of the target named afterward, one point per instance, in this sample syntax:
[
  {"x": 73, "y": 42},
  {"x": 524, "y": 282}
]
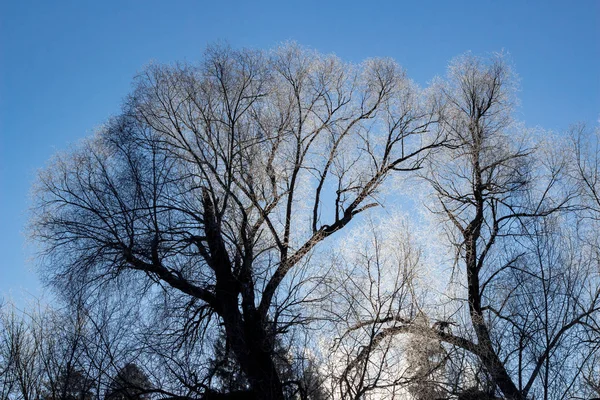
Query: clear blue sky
[{"x": 66, "y": 66}]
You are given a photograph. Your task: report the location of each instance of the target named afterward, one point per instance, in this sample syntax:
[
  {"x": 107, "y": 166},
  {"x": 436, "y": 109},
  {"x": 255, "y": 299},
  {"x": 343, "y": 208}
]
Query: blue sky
[{"x": 65, "y": 66}]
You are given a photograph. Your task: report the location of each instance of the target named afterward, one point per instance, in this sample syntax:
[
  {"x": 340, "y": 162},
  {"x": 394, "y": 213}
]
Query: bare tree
[
  {"x": 184, "y": 234},
  {"x": 42, "y": 355},
  {"x": 129, "y": 383},
  {"x": 373, "y": 284},
  {"x": 19, "y": 367},
  {"x": 217, "y": 181},
  {"x": 525, "y": 278},
  {"x": 486, "y": 191}
]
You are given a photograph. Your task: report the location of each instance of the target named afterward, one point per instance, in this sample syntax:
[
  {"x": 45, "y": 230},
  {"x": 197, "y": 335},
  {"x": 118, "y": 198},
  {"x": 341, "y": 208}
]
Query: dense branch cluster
[{"x": 210, "y": 240}]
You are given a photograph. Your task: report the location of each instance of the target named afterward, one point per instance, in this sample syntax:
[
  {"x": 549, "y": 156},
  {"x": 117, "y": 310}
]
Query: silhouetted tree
[
  {"x": 71, "y": 384},
  {"x": 218, "y": 180},
  {"x": 525, "y": 285},
  {"x": 130, "y": 383}
]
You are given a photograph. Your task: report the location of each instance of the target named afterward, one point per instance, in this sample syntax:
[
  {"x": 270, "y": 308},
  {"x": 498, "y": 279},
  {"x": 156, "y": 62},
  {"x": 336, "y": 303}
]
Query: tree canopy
[{"x": 222, "y": 236}]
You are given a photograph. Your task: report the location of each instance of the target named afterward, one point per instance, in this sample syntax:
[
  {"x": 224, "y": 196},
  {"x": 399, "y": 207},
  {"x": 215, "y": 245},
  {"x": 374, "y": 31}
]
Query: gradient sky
[{"x": 65, "y": 66}]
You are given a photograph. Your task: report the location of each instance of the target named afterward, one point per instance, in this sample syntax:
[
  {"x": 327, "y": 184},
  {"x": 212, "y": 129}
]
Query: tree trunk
[
  {"x": 487, "y": 354},
  {"x": 254, "y": 352}
]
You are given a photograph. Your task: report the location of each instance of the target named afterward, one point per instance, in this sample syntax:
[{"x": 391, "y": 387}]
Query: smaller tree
[
  {"x": 72, "y": 384},
  {"x": 130, "y": 383},
  {"x": 427, "y": 360},
  {"x": 19, "y": 364}
]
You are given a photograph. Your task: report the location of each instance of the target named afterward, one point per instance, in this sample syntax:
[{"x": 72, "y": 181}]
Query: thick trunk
[
  {"x": 262, "y": 370},
  {"x": 247, "y": 334},
  {"x": 250, "y": 342},
  {"x": 253, "y": 350},
  {"x": 263, "y": 375}
]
